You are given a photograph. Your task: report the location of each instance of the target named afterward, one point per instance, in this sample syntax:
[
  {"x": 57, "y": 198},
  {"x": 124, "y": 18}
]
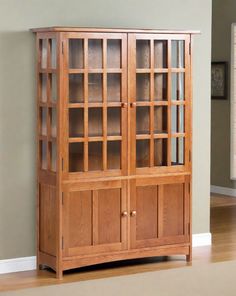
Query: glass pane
[
  {"x": 160, "y": 119},
  {"x": 76, "y": 122},
  {"x": 142, "y": 87},
  {"x": 53, "y": 156},
  {"x": 95, "y": 156},
  {"x": 160, "y": 87},
  {"x": 53, "y": 114},
  {"x": 76, "y": 157},
  {"x": 142, "y": 153},
  {"x": 76, "y": 54},
  {"x": 43, "y": 80},
  {"x": 43, "y": 45},
  {"x": 177, "y": 87},
  {"x": 113, "y": 155},
  {"x": 53, "y": 84},
  {"x": 43, "y": 148},
  {"x": 177, "y": 119},
  {"x": 95, "y": 122},
  {"x": 113, "y": 87},
  {"x": 160, "y": 152},
  {"x": 114, "y": 53},
  {"x": 95, "y": 53},
  {"x": 113, "y": 121},
  {"x": 95, "y": 88},
  {"x": 177, "y": 54},
  {"x": 43, "y": 112},
  {"x": 53, "y": 46},
  {"x": 177, "y": 151},
  {"x": 142, "y": 54},
  {"x": 142, "y": 120},
  {"x": 160, "y": 54},
  {"x": 76, "y": 88}
]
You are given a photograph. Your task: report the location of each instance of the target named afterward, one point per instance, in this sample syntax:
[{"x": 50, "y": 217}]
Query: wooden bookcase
[{"x": 114, "y": 145}]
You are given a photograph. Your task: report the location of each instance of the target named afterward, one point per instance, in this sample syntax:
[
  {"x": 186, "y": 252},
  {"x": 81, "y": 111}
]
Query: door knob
[
  {"x": 124, "y": 214},
  {"x": 133, "y": 104},
  {"x": 133, "y": 213},
  {"x": 124, "y": 105}
]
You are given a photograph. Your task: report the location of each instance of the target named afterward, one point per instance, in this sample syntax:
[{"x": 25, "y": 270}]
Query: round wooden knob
[
  {"x": 124, "y": 105},
  {"x": 133, "y": 104},
  {"x": 133, "y": 213},
  {"x": 124, "y": 214}
]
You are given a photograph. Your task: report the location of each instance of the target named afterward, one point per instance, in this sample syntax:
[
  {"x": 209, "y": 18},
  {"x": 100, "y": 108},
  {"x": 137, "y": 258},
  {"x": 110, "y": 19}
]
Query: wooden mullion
[
  {"x": 95, "y": 216},
  {"x": 152, "y": 105},
  {"x": 104, "y": 92},
  {"x": 86, "y": 119},
  {"x": 169, "y": 102},
  {"x": 160, "y": 211}
]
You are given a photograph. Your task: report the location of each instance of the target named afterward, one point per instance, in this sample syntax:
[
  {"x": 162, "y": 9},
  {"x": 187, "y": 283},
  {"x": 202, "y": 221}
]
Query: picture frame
[{"x": 219, "y": 80}]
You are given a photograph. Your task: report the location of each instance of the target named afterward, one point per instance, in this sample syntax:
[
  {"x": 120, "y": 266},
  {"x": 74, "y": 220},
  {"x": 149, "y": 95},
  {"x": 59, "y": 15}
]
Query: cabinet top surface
[{"x": 111, "y": 30}]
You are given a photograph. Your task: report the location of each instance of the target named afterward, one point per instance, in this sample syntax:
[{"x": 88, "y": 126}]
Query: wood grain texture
[{"x": 118, "y": 191}]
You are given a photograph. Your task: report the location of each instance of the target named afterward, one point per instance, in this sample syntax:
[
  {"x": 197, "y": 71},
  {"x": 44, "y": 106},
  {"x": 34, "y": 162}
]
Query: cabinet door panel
[
  {"x": 147, "y": 209},
  {"x": 159, "y": 210},
  {"x": 109, "y": 215},
  {"x": 93, "y": 219},
  {"x": 173, "y": 209},
  {"x": 80, "y": 219}
]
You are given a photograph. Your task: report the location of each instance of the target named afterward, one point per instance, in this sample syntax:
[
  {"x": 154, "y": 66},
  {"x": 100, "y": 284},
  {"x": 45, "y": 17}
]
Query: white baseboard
[
  {"x": 223, "y": 190},
  {"x": 201, "y": 239},
  {"x": 17, "y": 264},
  {"x": 29, "y": 263}
]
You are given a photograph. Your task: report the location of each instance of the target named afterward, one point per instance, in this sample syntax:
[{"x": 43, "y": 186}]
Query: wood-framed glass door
[
  {"x": 95, "y": 89},
  {"x": 160, "y": 103}
]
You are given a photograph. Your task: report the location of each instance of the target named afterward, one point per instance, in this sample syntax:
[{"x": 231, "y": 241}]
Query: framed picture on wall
[{"x": 219, "y": 80}]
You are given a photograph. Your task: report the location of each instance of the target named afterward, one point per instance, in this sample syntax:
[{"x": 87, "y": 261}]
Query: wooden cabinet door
[
  {"x": 95, "y": 218},
  {"x": 159, "y": 211},
  {"x": 160, "y": 103}
]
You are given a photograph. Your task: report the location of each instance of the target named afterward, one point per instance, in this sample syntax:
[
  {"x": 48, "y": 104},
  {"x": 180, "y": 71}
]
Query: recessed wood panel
[
  {"x": 109, "y": 216},
  {"x": 47, "y": 218},
  {"x": 147, "y": 212},
  {"x": 80, "y": 219},
  {"x": 173, "y": 210}
]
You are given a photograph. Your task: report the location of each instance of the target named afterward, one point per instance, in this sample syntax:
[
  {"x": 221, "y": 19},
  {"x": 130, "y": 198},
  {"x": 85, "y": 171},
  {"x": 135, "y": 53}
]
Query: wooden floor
[{"x": 223, "y": 229}]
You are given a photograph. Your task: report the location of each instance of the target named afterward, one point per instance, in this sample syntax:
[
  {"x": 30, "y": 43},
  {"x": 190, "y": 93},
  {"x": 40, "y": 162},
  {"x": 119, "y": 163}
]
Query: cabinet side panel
[
  {"x": 47, "y": 219},
  {"x": 173, "y": 210}
]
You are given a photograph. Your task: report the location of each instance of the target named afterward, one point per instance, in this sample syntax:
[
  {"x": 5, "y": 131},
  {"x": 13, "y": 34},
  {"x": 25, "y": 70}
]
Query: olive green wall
[
  {"x": 17, "y": 97},
  {"x": 223, "y": 15}
]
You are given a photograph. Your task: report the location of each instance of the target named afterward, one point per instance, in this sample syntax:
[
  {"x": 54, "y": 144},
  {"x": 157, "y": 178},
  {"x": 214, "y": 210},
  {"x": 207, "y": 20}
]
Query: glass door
[
  {"x": 160, "y": 102},
  {"x": 96, "y": 79}
]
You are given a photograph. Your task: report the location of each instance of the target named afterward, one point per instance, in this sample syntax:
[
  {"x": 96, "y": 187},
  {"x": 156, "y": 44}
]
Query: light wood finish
[
  {"x": 114, "y": 159},
  {"x": 223, "y": 230},
  {"x": 111, "y": 30}
]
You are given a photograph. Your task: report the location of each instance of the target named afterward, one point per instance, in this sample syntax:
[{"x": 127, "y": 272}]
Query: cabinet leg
[
  {"x": 59, "y": 274},
  {"x": 189, "y": 256}
]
